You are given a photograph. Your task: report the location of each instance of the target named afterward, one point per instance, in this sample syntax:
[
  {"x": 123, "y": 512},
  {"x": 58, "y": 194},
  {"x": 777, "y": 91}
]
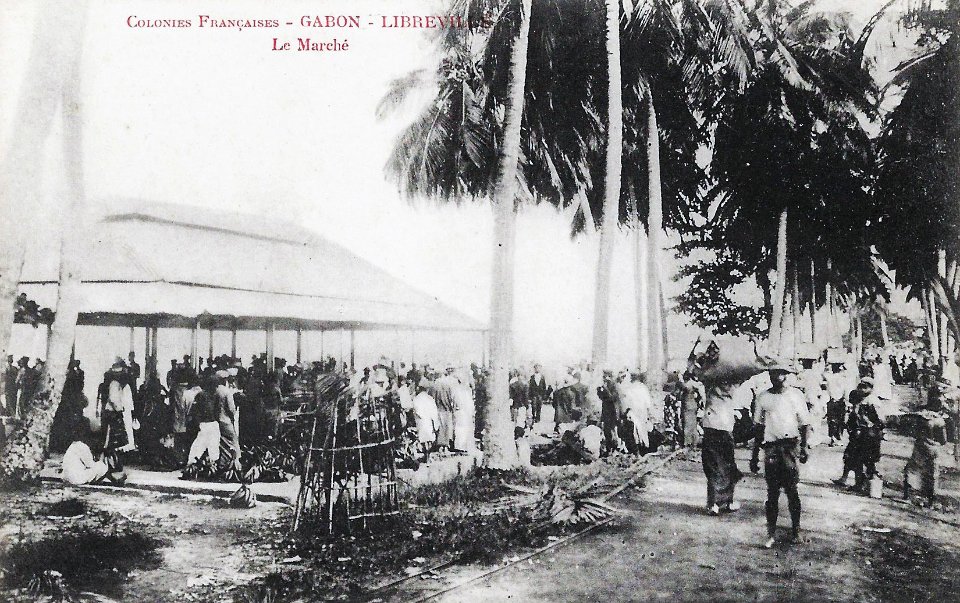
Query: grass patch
[
  {"x": 87, "y": 559},
  {"x": 344, "y": 566},
  {"x": 475, "y": 486},
  {"x": 450, "y": 518}
]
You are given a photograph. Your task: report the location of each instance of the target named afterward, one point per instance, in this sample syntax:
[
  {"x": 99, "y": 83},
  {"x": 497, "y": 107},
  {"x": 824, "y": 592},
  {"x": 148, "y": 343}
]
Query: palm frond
[{"x": 400, "y": 89}]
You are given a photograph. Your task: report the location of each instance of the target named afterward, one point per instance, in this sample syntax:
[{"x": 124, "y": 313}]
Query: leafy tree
[
  {"x": 791, "y": 141},
  {"x": 919, "y": 154}
]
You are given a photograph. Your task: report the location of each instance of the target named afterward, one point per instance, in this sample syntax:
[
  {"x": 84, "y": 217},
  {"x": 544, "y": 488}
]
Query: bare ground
[
  {"x": 207, "y": 546},
  {"x": 666, "y": 548}
]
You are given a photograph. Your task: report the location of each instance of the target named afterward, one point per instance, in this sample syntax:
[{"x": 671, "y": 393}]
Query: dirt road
[{"x": 666, "y": 548}]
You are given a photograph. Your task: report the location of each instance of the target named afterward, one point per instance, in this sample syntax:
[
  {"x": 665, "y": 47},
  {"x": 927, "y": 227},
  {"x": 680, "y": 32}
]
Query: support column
[
  {"x": 271, "y": 330},
  {"x": 154, "y": 351},
  {"x": 46, "y": 353},
  {"x": 483, "y": 349},
  {"x": 353, "y": 349},
  {"x": 340, "y": 352},
  {"x": 210, "y": 349},
  {"x": 299, "y": 342},
  {"x": 322, "y": 357},
  {"x": 147, "y": 362},
  {"x": 131, "y": 338},
  {"x": 233, "y": 341},
  {"x": 397, "y": 352},
  {"x": 194, "y": 353}
]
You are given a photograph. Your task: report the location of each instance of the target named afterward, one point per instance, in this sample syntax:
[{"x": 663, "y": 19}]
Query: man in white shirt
[{"x": 782, "y": 425}]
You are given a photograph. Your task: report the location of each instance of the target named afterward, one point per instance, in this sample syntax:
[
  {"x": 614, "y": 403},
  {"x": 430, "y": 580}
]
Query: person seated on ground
[
  {"x": 585, "y": 442},
  {"x": 80, "y": 466}
]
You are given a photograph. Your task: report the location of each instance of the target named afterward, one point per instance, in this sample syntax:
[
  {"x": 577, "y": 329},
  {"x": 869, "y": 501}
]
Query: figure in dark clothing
[
  {"x": 539, "y": 392},
  {"x": 866, "y": 432},
  {"x": 608, "y": 411},
  {"x": 68, "y": 422},
  {"x": 10, "y": 373},
  {"x": 28, "y": 380},
  {"x": 519, "y": 397}
]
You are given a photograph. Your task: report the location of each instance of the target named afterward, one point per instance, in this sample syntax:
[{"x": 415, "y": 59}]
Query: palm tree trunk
[
  {"x": 640, "y": 283},
  {"x": 25, "y": 452},
  {"x": 796, "y": 314},
  {"x": 928, "y": 314},
  {"x": 858, "y": 331},
  {"x": 664, "y": 333},
  {"x": 944, "y": 331},
  {"x": 500, "y": 452},
  {"x": 833, "y": 320},
  {"x": 884, "y": 334},
  {"x": 812, "y": 304},
  {"x": 611, "y": 203},
  {"x": 779, "y": 288},
  {"x": 655, "y": 322},
  {"x": 56, "y": 38}
]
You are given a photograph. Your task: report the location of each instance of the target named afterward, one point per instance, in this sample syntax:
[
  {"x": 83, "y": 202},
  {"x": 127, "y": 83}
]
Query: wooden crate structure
[{"x": 349, "y": 480}]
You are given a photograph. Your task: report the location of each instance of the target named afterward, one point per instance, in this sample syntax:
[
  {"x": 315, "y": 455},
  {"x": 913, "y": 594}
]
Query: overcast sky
[{"x": 215, "y": 118}]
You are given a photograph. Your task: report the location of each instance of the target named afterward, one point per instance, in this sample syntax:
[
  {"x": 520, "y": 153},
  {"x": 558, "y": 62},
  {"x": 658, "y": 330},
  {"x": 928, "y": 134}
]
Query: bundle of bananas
[
  {"x": 201, "y": 469},
  {"x": 244, "y": 498}
]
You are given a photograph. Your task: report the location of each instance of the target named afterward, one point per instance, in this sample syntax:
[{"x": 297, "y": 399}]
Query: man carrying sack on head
[{"x": 782, "y": 427}]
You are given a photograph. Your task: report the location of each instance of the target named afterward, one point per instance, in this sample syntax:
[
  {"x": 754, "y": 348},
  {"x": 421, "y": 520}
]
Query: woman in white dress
[
  {"x": 463, "y": 417},
  {"x": 427, "y": 417}
]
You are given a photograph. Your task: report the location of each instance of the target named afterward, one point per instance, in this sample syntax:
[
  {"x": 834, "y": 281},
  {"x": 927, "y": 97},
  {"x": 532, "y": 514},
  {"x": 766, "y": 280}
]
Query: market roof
[{"x": 158, "y": 264}]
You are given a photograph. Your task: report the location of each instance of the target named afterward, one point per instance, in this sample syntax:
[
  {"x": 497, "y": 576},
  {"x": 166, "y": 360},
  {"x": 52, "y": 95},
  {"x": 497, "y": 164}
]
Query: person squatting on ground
[
  {"x": 782, "y": 427},
  {"x": 79, "y": 465}
]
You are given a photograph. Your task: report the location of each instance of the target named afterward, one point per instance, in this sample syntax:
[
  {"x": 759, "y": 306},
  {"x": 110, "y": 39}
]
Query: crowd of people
[
  {"x": 192, "y": 414},
  {"x": 21, "y": 381},
  {"x": 210, "y": 412}
]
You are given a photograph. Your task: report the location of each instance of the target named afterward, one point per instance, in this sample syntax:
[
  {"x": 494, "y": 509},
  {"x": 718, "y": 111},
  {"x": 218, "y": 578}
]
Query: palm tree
[
  {"x": 500, "y": 453},
  {"x": 792, "y": 157},
  {"x": 23, "y": 456},
  {"x": 467, "y": 144},
  {"x": 652, "y": 47},
  {"x": 656, "y": 321},
  {"x": 919, "y": 148},
  {"x": 53, "y": 46},
  {"x": 614, "y": 165},
  {"x": 776, "y": 321}
]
